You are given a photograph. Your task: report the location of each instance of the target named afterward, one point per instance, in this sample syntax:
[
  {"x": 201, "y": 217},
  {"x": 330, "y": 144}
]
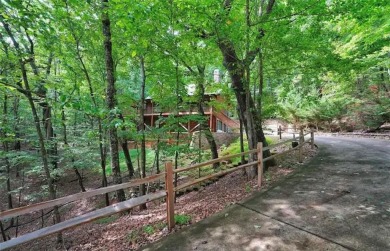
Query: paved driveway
[{"x": 338, "y": 201}]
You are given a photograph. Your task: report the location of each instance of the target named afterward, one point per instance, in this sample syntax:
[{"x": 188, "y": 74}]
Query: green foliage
[
  {"x": 248, "y": 188},
  {"x": 134, "y": 154},
  {"x": 148, "y": 229},
  {"x": 235, "y": 148},
  {"x": 182, "y": 219}
]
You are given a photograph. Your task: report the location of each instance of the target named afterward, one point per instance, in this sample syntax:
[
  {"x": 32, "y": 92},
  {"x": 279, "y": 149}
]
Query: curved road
[{"x": 340, "y": 200}]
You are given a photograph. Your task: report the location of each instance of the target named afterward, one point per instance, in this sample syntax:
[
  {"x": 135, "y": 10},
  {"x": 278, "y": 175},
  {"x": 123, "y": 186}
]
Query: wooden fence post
[
  {"x": 312, "y": 139},
  {"x": 170, "y": 195},
  {"x": 301, "y": 140},
  {"x": 259, "y": 163}
]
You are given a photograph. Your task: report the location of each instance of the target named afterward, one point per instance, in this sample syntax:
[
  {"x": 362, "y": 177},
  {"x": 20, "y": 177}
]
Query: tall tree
[
  {"x": 111, "y": 99},
  {"x": 80, "y": 41}
]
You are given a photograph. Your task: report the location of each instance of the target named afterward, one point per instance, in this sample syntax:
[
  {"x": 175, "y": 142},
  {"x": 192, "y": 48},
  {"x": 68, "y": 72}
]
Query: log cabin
[{"x": 218, "y": 121}]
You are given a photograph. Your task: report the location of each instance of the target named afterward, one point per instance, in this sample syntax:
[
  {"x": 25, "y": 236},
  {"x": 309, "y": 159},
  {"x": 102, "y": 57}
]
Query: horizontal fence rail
[
  {"x": 214, "y": 161},
  {"x": 169, "y": 193},
  {"x": 60, "y": 201},
  {"x": 83, "y": 219},
  {"x": 210, "y": 176}
]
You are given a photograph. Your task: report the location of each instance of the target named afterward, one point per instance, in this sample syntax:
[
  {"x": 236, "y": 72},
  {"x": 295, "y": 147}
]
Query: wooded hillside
[{"x": 74, "y": 77}]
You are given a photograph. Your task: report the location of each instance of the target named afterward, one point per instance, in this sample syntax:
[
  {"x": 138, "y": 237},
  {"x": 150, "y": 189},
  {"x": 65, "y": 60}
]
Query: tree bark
[{"x": 111, "y": 99}]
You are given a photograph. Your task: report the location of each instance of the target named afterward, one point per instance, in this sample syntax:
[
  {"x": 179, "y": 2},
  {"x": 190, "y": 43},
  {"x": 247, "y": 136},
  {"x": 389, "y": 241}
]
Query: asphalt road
[{"x": 340, "y": 200}]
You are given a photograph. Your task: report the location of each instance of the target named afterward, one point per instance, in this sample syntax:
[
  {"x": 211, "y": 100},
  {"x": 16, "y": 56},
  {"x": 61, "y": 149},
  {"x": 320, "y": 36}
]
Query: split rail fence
[{"x": 168, "y": 194}]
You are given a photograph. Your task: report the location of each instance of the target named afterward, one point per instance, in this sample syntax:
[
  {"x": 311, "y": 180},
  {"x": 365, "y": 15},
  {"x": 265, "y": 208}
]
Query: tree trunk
[
  {"x": 242, "y": 148},
  {"x": 3, "y": 234},
  {"x": 158, "y": 155},
  {"x": 126, "y": 152},
  {"x": 103, "y": 158},
  {"x": 142, "y": 117},
  {"x": 158, "y": 144},
  {"x": 111, "y": 99},
  {"x": 203, "y": 124},
  {"x": 246, "y": 108},
  {"x": 47, "y": 118},
  {"x": 17, "y": 144},
  {"x": 102, "y": 147},
  {"x": 76, "y": 171},
  {"x": 6, "y": 160}
]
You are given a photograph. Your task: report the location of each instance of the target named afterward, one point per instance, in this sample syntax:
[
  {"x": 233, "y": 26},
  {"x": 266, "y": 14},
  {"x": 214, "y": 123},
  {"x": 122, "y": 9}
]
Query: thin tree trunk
[
  {"x": 6, "y": 160},
  {"x": 47, "y": 119},
  {"x": 3, "y": 234},
  {"x": 76, "y": 171},
  {"x": 17, "y": 145},
  {"x": 158, "y": 150},
  {"x": 203, "y": 124},
  {"x": 126, "y": 152},
  {"x": 177, "y": 122},
  {"x": 19, "y": 203},
  {"x": 111, "y": 100},
  {"x": 6, "y": 150},
  {"x": 242, "y": 149},
  {"x": 142, "y": 113}
]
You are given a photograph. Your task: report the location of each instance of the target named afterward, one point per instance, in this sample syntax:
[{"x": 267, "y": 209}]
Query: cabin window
[{"x": 219, "y": 125}]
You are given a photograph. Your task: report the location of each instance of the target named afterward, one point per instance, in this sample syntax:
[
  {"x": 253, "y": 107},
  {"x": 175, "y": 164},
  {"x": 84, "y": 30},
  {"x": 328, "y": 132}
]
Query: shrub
[
  {"x": 182, "y": 219},
  {"x": 148, "y": 229}
]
